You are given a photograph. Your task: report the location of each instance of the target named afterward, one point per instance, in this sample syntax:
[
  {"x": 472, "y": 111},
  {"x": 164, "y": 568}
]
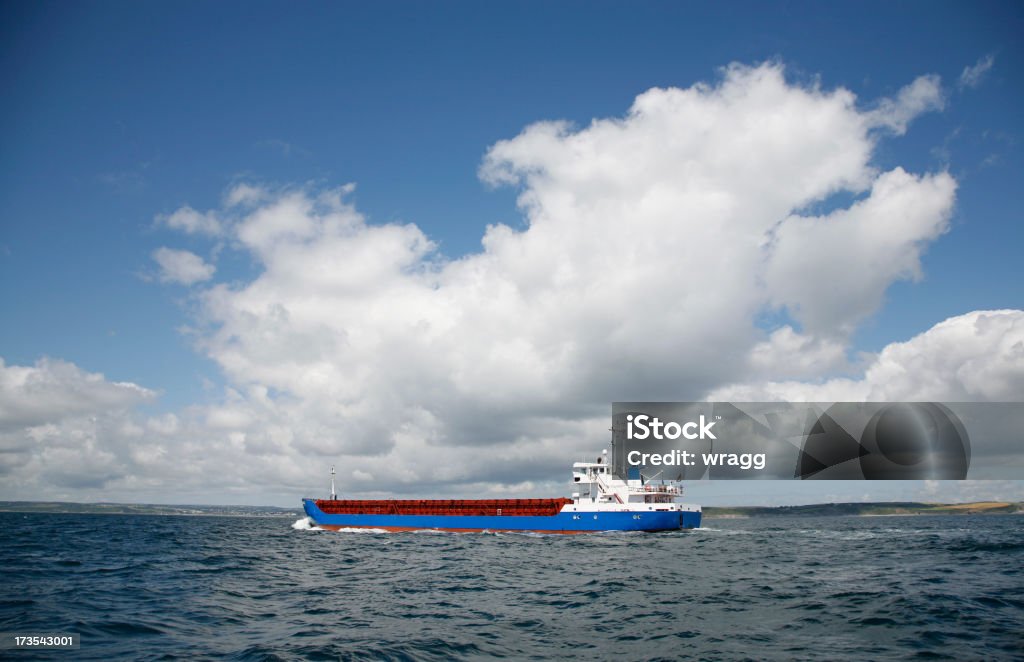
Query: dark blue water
[{"x": 143, "y": 587}]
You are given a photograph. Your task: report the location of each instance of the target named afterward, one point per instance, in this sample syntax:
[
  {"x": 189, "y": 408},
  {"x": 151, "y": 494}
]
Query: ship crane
[{"x": 334, "y": 495}]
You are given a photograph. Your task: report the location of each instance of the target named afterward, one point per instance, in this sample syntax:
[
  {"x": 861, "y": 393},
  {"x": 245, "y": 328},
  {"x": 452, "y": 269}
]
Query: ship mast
[{"x": 334, "y": 495}]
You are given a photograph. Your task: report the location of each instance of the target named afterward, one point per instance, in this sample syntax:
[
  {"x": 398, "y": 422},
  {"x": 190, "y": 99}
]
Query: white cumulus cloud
[
  {"x": 923, "y": 95},
  {"x": 190, "y": 221},
  {"x": 978, "y": 356},
  {"x": 62, "y": 427},
  {"x": 52, "y": 390},
  {"x": 832, "y": 271},
  {"x": 184, "y": 267}
]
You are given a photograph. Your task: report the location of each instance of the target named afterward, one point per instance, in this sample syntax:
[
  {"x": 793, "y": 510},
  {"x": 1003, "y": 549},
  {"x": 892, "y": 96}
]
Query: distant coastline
[
  {"x": 879, "y": 509},
  {"x": 868, "y": 509},
  {"x": 69, "y": 507}
]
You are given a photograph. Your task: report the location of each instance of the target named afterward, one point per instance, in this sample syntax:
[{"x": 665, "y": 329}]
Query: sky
[{"x": 431, "y": 243}]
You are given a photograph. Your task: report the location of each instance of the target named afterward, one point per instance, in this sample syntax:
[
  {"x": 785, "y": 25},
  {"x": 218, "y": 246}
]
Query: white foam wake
[{"x": 305, "y": 524}]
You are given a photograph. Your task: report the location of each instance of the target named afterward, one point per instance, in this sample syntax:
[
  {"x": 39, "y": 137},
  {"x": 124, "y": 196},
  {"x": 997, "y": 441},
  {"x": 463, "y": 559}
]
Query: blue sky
[{"x": 117, "y": 114}]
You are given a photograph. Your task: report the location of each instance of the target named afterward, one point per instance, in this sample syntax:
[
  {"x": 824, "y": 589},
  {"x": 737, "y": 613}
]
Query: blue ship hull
[{"x": 568, "y": 522}]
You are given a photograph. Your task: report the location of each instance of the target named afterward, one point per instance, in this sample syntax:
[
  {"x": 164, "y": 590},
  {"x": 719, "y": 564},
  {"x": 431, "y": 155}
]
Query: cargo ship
[{"x": 601, "y": 502}]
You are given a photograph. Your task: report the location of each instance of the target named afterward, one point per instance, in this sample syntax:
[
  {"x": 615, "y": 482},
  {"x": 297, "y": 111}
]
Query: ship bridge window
[{"x": 575, "y": 479}]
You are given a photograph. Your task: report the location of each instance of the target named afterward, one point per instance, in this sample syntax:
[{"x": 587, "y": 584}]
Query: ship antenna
[
  {"x": 334, "y": 495},
  {"x": 614, "y": 467}
]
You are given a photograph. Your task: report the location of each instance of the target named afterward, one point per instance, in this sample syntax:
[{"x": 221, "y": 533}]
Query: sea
[{"x": 776, "y": 588}]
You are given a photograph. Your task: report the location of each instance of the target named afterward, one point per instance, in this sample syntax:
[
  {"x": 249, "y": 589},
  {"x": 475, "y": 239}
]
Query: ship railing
[{"x": 655, "y": 489}]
